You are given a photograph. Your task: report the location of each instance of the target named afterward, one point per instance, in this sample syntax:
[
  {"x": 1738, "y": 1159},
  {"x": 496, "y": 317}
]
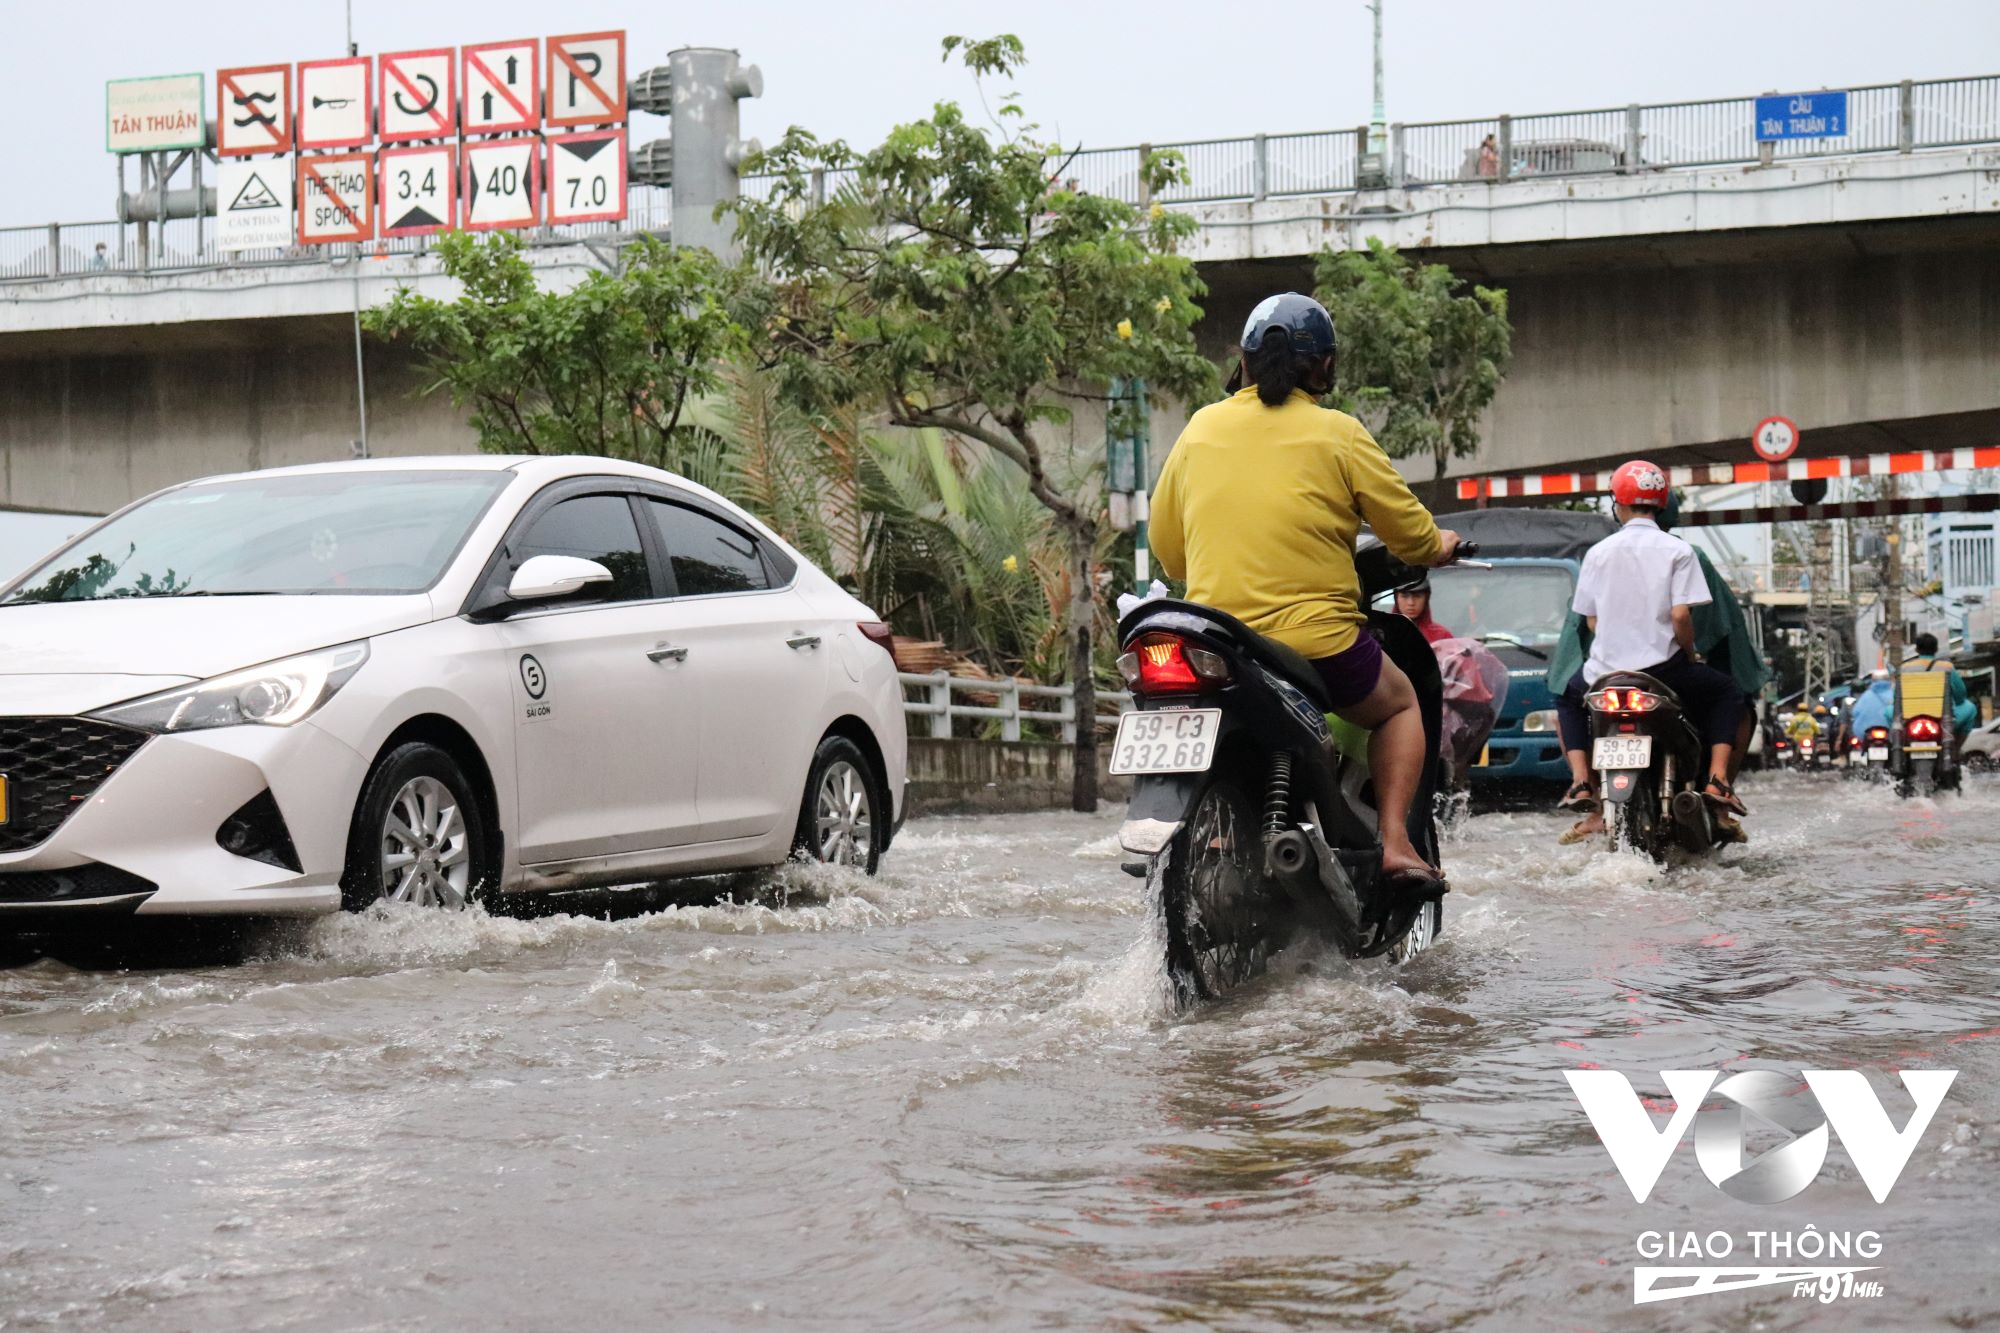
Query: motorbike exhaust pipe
[
  {"x": 1692, "y": 821},
  {"x": 1289, "y": 859}
]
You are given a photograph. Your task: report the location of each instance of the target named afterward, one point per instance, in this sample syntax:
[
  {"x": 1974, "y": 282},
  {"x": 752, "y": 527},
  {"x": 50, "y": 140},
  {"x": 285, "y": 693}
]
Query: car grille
[
  {"x": 52, "y": 766},
  {"x": 67, "y": 886}
]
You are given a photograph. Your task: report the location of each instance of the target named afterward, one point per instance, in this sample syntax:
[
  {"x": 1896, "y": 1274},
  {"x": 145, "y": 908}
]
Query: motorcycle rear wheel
[
  {"x": 1634, "y": 825},
  {"x": 1224, "y": 919}
]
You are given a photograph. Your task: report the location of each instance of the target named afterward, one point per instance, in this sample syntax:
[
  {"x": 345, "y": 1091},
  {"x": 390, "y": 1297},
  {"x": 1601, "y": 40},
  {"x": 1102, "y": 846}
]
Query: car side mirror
[{"x": 542, "y": 577}]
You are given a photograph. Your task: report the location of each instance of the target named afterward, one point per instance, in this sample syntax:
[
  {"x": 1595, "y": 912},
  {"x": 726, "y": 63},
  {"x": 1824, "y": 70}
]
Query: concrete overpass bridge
[{"x": 1671, "y": 283}]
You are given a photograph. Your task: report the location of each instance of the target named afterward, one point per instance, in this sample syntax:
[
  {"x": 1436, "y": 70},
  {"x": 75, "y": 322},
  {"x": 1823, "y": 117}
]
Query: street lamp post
[{"x": 1378, "y": 120}]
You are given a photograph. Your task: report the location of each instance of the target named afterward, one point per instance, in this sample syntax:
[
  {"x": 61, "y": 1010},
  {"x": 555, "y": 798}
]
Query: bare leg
[
  {"x": 1579, "y": 771},
  {"x": 1743, "y": 731},
  {"x": 1396, "y": 752}
]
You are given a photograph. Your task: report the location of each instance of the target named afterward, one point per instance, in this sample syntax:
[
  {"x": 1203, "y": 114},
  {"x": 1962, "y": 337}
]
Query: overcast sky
[{"x": 1101, "y": 74}]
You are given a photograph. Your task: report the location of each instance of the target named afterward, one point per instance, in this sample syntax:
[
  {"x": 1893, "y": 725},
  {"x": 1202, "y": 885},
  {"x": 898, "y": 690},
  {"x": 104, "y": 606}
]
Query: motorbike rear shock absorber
[{"x": 1278, "y": 795}]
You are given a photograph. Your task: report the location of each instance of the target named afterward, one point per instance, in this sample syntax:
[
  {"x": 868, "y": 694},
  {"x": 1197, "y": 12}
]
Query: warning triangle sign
[
  {"x": 254, "y": 194},
  {"x": 586, "y": 149},
  {"x": 417, "y": 217}
]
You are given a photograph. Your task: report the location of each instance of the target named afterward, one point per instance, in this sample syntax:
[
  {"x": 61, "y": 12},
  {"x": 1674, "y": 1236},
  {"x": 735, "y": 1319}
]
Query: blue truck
[{"x": 1517, "y": 609}]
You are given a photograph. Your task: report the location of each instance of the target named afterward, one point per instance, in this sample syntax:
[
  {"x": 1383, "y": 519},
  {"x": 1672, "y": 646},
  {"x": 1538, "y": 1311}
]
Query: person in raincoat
[
  {"x": 1964, "y": 712},
  {"x": 1721, "y": 636}
]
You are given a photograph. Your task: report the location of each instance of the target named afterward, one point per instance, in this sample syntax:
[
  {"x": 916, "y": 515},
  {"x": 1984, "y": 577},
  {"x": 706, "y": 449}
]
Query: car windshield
[
  {"x": 1526, "y": 603},
  {"x": 324, "y": 533}
]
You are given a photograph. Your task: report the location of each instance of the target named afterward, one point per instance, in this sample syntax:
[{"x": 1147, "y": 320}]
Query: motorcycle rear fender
[
  {"x": 1159, "y": 806},
  {"x": 1619, "y": 785}
]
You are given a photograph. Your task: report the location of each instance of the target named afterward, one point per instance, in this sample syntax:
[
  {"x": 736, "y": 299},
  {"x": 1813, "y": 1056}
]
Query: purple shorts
[{"x": 1350, "y": 675}]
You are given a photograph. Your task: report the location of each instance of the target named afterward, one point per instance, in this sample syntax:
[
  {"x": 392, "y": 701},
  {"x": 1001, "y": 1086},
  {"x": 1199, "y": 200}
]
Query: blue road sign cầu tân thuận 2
[{"x": 1802, "y": 116}]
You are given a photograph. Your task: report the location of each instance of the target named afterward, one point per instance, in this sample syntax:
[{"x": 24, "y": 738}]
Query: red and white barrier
[{"x": 1725, "y": 474}]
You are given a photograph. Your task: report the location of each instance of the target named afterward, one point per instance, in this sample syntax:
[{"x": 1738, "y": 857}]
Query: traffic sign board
[
  {"x": 419, "y": 95},
  {"x": 418, "y": 189},
  {"x": 254, "y": 204},
  {"x": 336, "y": 198},
  {"x": 587, "y": 177},
  {"x": 502, "y": 186},
  {"x": 503, "y": 86},
  {"x": 336, "y": 103},
  {"x": 143, "y": 115},
  {"x": 587, "y": 79},
  {"x": 1775, "y": 439},
  {"x": 253, "y": 110},
  {"x": 1802, "y": 116}
]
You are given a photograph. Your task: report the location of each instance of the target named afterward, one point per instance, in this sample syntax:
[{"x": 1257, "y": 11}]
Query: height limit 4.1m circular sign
[{"x": 1775, "y": 439}]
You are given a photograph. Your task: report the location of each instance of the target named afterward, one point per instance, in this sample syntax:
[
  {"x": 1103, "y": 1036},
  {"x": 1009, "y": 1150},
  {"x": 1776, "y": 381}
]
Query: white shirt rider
[{"x": 1631, "y": 582}]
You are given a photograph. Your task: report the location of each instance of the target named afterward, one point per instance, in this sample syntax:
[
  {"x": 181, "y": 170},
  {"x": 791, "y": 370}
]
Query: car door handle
[
  {"x": 803, "y": 641},
  {"x": 665, "y": 652}
]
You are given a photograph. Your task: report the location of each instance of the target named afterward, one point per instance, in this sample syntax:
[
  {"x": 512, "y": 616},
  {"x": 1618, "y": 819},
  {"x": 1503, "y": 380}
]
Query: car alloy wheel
[
  {"x": 843, "y": 817},
  {"x": 425, "y": 848}
]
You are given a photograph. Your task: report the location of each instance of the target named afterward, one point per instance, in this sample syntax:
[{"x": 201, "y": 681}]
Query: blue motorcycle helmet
[
  {"x": 1288, "y": 343},
  {"x": 1308, "y": 328}
]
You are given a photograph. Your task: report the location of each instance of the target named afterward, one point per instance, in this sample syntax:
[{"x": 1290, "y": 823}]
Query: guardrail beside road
[
  {"x": 1881, "y": 118},
  {"x": 938, "y": 706}
]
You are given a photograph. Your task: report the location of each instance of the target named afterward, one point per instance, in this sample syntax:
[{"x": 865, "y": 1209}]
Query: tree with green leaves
[
  {"x": 1420, "y": 357},
  {"x": 954, "y": 284},
  {"x": 609, "y": 366}
]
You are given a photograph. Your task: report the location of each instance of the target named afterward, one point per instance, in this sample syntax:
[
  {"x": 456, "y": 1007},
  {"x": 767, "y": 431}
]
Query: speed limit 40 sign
[
  {"x": 1775, "y": 439},
  {"x": 502, "y": 185}
]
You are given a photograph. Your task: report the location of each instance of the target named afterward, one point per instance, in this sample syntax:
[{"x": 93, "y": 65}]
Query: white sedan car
[{"x": 427, "y": 680}]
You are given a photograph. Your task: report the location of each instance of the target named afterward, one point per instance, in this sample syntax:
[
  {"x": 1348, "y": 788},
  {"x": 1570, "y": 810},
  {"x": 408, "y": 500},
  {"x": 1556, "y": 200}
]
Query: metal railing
[
  {"x": 1883, "y": 118},
  {"x": 934, "y": 702}
]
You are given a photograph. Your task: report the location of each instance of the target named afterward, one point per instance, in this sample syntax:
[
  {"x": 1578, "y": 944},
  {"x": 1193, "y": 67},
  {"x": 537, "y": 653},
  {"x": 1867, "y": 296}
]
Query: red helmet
[{"x": 1640, "y": 483}]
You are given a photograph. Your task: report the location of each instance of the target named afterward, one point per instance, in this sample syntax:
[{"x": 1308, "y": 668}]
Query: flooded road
[{"x": 947, "y": 1098}]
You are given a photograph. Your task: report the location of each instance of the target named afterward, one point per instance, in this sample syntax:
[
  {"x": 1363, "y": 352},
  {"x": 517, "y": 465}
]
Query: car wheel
[
  {"x": 843, "y": 815},
  {"x": 419, "y": 835}
]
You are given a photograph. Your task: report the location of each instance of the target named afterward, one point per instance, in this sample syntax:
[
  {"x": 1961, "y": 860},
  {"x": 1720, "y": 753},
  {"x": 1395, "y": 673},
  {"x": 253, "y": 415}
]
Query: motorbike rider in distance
[
  {"x": 1258, "y": 507},
  {"x": 1413, "y": 603},
  {"x": 1637, "y": 591}
]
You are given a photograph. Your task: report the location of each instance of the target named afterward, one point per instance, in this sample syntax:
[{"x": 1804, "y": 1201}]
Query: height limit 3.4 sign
[
  {"x": 336, "y": 198},
  {"x": 418, "y": 188},
  {"x": 587, "y": 177}
]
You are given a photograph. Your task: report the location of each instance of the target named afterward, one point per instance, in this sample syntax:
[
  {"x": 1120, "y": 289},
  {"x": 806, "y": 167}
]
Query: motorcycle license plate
[
  {"x": 1920, "y": 749},
  {"x": 1610, "y": 753},
  {"x": 1172, "y": 741},
  {"x": 1878, "y": 754}
]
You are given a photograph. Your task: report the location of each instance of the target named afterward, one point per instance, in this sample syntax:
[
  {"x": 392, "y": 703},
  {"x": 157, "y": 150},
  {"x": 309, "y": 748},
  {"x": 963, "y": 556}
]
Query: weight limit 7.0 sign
[{"x": 587, "y": 177}]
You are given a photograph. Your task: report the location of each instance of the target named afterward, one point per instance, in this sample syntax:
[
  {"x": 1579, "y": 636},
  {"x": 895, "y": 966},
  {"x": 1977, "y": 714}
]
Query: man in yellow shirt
[{"x": 1258, "y": 507}]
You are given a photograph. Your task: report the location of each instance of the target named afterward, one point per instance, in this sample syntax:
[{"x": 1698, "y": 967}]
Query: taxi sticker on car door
[{"x": 536, "y": 682}]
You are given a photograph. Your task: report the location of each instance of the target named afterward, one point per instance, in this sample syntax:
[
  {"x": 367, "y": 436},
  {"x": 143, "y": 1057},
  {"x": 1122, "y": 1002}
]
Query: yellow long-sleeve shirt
[{"x": 1258, "y": 508}]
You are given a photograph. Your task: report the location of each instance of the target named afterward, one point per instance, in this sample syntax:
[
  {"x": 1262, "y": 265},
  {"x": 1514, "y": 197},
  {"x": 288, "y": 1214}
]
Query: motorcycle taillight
[
  {"x": 1615, "y": 700},
  {"x": 1878, "y": 733},
  {"x": 1168, "y": 664},
  {"x": 1923, "y": 729}
]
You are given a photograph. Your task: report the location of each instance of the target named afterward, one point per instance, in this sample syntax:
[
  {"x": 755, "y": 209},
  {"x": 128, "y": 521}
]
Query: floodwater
[{"x": 948, "y": 1099}]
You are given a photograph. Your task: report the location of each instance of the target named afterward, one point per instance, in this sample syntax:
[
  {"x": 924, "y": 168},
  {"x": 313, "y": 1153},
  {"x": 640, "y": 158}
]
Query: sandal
[
  {"x": 1415, "y": 883},
  {"x": 1577, "y": 833},
  {"x": 1581, "y": 798},
  {"x": 1719, "y": 791}
]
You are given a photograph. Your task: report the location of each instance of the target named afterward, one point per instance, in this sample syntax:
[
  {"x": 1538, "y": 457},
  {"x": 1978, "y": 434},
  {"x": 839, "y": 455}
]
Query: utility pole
[
  {"x": 1892, "y": 600},
  {"x": 358, "y": 446},
  {"x": 1378, "y": 120}
]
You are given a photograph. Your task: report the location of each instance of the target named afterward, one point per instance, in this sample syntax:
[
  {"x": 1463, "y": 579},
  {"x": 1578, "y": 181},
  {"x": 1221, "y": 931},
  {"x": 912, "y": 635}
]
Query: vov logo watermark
[{"x": 1837, "y": 1102}]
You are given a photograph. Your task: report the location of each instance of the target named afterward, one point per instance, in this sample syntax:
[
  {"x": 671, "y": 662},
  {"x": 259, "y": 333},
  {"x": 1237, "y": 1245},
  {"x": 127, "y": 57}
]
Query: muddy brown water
[{"x": 948, "y": 1098}]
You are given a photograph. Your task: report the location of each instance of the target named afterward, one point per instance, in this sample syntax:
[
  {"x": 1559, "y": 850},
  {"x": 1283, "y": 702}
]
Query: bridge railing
[
  {"x": 1883, "y": 118},
  {"x": 930, "y": 697}
]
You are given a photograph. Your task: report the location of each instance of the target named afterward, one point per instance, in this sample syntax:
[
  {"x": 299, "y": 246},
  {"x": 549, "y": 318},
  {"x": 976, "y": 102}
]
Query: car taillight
[
  {"x": 1166, "y": 664},
  {"x": 1923, "y": 729},
  {"x": 880, "y": 635},
  {"x": 1615, "y": 700}
]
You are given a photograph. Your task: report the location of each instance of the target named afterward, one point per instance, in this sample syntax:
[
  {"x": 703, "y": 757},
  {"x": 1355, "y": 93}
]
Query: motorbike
[
  {"x": 1868, "y": 755},
  {"x": 1651, "y": 764},
  {"x": 1923, "y": 761},
  {"x": 1251, "y": 824}
]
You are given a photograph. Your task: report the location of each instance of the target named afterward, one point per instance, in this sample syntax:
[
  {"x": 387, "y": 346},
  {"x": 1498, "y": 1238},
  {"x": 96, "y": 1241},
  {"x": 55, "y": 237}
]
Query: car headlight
[
  {"x": 276, "y": 694},
  {"x": 1542, "y": 719}
]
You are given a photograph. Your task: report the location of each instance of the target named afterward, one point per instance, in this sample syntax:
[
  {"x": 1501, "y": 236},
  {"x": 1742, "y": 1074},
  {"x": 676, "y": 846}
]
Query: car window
[
  {"x": 708, "y": 555},
  {"x": 353, "y": 531},
  {"x": 592, "y": 527}
]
